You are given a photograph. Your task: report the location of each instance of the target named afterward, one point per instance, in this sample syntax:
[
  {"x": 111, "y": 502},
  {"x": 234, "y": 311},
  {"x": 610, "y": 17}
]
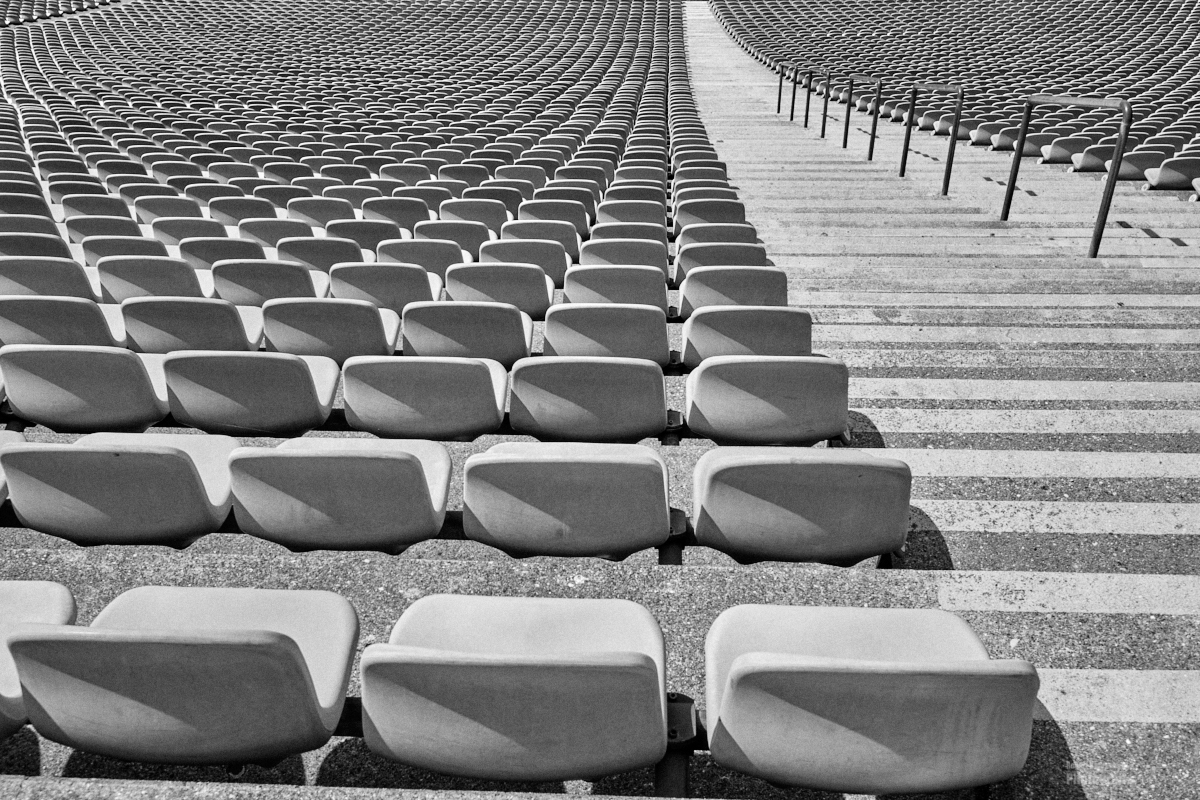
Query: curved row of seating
[
  {"x": 16, "y": 12},
  {"x": 517, "y": 688},
  {"x": 1146, "y": 53},
  {"x": 835, "y": 506},
  {"x": 734, "y": 399}
]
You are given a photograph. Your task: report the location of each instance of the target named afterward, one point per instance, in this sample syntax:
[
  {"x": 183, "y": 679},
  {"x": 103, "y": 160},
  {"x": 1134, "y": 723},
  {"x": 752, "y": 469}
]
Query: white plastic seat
[
  {"x": 250, "y": 394},
  {"x": 708, "y": 210},
  {"x": 731, "y": 286},
  {"x": 864, "y": 700},
  {"x": 253, "y": 282},
  {"x": 123, "y": 277},
  {"x": 122, "y": 488},
  {"x": 548, "y": 254},
  {"x": 166, "y": 324},
  {"x": 525, "y": 286},
  {"x": 29, "y": 319},
  {"x": 518, "y": 688},
  {"x": 564, "y": 233},
  {"x": 435, "y": 255},
  {"x": 536, "y": 499},
  {"x": 429, "y": 398},
  {"x": 638, "y": 285},
  {"x": 342, "y": 494},
  {"x": 718, "y": 254},
  {"x": 23, "y": 603},
  {"x": 205, "y": 252},
  {"x": 61, "y": 277},
  {"x": 716, "y": 232},
  {"x": 240, "y": 675},
  {"x": 768, "y": 399},
  {"x": 588, "y": 399},
  {"x": 642, "y": 211},
  {"x": 390, "y": 285},
  {"x": 497, "y": 331},
  {"x": 833, "y": 505},
  {"x": 84, "y": 388},
  {"x": 624, "y": 252},
  {"x": 469, "y": 236},
  {"x": 334, "y": 328},
  {"x": 746, "y": 331},
  {"x": 319, "y": 254},
  {"x": 608, "y": 329}
]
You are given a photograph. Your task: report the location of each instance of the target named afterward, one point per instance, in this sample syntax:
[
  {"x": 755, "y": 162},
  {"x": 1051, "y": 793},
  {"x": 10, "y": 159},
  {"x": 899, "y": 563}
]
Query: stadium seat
[
  {"x": 23, "y": 603},
  {"x": 434, "y": 255},
  {"x": 60, "y": 277},
  {"x": 240, "y": 675},
  {"x": 318, "y": 253},
  {"x": 768, "y": 399},
  {"x": 725, "y": 286},
  {"x": 204, "y": 252},
  {"x": 334, "y": 328},
  {"x": 250, "y": 394},
  {"x": 831, "y": 505},
  {"x": 29, "y": 319},
  {"x": 746, "y": 331},
  {"x": 342, "y": 494},
  {"x": 588, "y": 399},
  {"x": 718, "y": 254},
  {"x": 253, "y": 282},
  {"x": 548, "y": 254},
  {"x": 624, "y": 252},
  {"x": 122, "y": 488},
  {"x": 863, "y": 700},
  {"x": 537, "y": 499},
  {"x": 612, "y": 284},
  {"x": 496, "y": 331},
  {"x": 607, "y": 329},
  {"x": 565, "y": 233},
  {"x": 166, "y": 324},
  {"x": 469, "y": 236},
  {"x": 123, "y": 277},
  {"x": 525, "y": 286},
  {"x": 518, "y": 688}
]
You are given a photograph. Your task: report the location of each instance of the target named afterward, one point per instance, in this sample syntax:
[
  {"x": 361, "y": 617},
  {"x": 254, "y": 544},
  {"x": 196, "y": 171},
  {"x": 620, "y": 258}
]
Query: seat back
[
  {"x": 61, "y": 277},
  {"x": 548, "y": 254},
  {"x": 53, "y": 320},
  {"x": 525, "y": 286},
  {"x": 736, "y": 286},
  {"x": 123, "y": 277},
  {"x": 253, "y": 282},
  {"x": 435, "y": 255},
  {"x": 334, "y": 328},
  {"x": 588, "y": 399},
  {"x": 746, "y": 331},
  {"x": 496, "y": 331},
  {"x": 610, "y": 284},
  {"x": 611, "y": 330},
  {"x": 166, "y": 324},
  {"x": 643, "y": 252}
]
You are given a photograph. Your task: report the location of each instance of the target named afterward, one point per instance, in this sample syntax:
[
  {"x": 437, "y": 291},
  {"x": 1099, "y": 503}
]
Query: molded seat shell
[
  {"x": 319, "y": 254},
  {"x": 435, "y": 255},
  {"x": 518, "y": 688},
  {"x": 389, "y": 285},
  {"x": 497, "y": 331},
  {"x": 84, "y": 388},
  {"x": 253, "y": 282},
  {"x": 29, "y": 319},
  {"x": 588, "y": 399},
  {"x": 719, "y": 254},
  {"x": 548, "y": 254},
  {"x": 731, "y": 286},
  {"x": 623, "y": 252},
  {"x": 637, "y": 285},
  {"x": 525, "y": 286},
  {"x": 123, "y": 277},
  {"x": 166, "y": 324},
  {"x": 535, "y": 499},
  {"x": 122, "y": 488},
  {"x": 746, "y": 331},
  {"x": 23, "y": 603},
  {"x": 333, "y": 328},
  {"x": 342, "y": 494},
  {"x": 837, "y": 506},
  {"x": 864, "y": 700},
  {"x": 61, "y": 277},
  {"x": 431, "y": 398},
  {"x": 240, "y": 675},
  {"x": 607, "y": 329},
  {"x": 768, "y": 399},
  {"x": 250, "y": 394}
]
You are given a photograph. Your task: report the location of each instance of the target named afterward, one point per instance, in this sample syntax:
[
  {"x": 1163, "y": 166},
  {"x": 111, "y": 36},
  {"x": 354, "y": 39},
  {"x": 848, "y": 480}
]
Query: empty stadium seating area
[
  {"x": 1145, "y": 53},
  {"x": 445, "y": 396}
]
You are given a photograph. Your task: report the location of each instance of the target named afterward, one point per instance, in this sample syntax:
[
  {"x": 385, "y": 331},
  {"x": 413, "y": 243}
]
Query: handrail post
[
  {"x": 849, "y": 100},
  {"x": 825, "y": 110},
  {"x": 792, "y": 112},
  {"x": 958, "y": 109},
  {"x": 808, "y": 95},
  {"x": 1110, "y": 185},
  {"x": 1018, "y": 151},
  {"x": 908, "y": 126},
  {"x": 874, "y": 117},
  {"x": 1114, "y": 169},
  {"x": 779, "y": 101}
]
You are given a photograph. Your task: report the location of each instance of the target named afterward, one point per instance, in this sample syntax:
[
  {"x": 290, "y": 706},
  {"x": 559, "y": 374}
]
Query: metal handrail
[
  {"x": 910, "y": 118},
  {"x": 783, "y": 67},
  {"x": 875, "y": 117},
  {"x": 825, "y": 110},
  {"x": 1110, "y": 184}
]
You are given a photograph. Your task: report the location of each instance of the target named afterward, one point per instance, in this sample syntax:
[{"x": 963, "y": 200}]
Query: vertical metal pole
[
  {"x": 825, "y": 110},
  {"x": 1016, "y": 162},
  {"x": 953, "y": 141},
  {"x": 875, "y": 119},
  {"x": 908, "y": 123},
  {"x": 792, "y": 113},
  {"x": 671, "y": 775},
  {"x": 779, "y": 101},
  {"x": 849, "y": 101},
  {"x": 808, "y": 97},
  {"x": 1110, "y": 185}
]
